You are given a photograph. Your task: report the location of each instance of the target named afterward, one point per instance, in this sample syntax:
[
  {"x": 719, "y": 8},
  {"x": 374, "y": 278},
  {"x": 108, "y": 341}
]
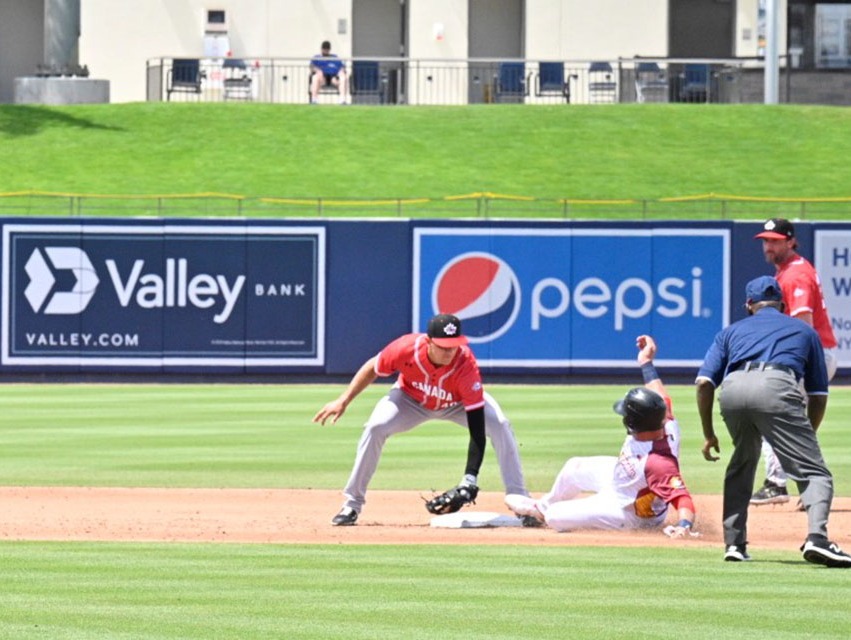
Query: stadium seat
[
  {"x": 695, "y": 83},
  {"x": 602, "y": 86},
  {"x": 551, "y": 80},
  {"x": 651, "y": 83},
  {"x": 237, "y": 82},
  {"x": 510, "y": 85},
  {"x": 185, "y": 76},
  {"x": 367, "y": 86}
]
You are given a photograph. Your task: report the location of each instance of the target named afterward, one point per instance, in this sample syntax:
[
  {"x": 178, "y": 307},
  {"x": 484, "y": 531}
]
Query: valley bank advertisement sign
[
  {"x": 832, "y": 250},
  {"x": 576, "y": 297},
  {"x": 160, "y": 295}
]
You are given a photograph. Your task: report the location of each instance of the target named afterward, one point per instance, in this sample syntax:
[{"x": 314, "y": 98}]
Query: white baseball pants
[{"x": 564, "y": 510}]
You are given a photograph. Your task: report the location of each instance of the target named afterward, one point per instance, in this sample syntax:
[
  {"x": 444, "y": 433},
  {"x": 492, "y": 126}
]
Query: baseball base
[{"x": 474, "y": 520}]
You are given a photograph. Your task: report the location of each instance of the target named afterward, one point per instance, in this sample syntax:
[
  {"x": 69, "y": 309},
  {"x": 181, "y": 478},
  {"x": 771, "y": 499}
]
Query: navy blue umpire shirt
[{"x": 768, "y": 336}]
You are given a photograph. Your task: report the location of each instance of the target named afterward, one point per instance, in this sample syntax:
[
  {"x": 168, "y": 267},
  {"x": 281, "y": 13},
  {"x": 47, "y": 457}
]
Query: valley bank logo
[
  {"x": 159, "y": 295},
  {"x": 177, "y": 288},
  {"x": 42, "y": 281},
  {"x": 555, "y": 297}
]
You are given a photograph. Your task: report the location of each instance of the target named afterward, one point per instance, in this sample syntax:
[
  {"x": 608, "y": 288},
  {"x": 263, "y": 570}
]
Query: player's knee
[
  {"x": 377, "y": 432},
  {"x": 496, "y": 427},
  {"x": 572, "y": 466}
]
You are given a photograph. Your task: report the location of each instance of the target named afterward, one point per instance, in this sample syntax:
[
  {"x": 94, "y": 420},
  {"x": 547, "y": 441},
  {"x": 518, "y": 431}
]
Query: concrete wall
[
  {"x": 58, "y": 91},
  {"x": 438, "y": 29},
  {"x": 600, "y": 30},
  {"x": 21, "y": 43},
  {"x": 746, "y": 40},
  {"x": 116, "y": 45},
  {"x": 117, "y": 38}
]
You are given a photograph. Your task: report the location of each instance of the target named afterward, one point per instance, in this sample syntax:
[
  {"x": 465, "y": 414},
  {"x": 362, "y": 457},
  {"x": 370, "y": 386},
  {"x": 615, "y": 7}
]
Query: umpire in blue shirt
[{"x": 761, "y": 364}]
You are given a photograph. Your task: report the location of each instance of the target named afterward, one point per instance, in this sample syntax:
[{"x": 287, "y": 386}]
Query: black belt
[{"x": 753, "y": 365}]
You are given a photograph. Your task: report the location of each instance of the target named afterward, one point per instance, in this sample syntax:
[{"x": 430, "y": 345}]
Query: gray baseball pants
[
  {"x": 771, "y": 405},
  {"x": 397, "y": 412},
  {"x": 773, "y": 470}
]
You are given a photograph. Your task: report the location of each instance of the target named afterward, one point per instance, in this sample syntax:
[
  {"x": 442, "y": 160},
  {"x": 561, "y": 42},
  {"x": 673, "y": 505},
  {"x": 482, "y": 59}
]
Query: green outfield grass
[
  {"x": 617, "y": 151},
  {"x": 140, "y": 592},
  {"x": 177, "y": 435},
  {"x": 262, "y": 436}
]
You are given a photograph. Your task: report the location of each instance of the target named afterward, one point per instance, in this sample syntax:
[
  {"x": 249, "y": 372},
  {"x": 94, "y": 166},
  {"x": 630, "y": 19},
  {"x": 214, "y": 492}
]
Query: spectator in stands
[{"x": 326, "y": 69}]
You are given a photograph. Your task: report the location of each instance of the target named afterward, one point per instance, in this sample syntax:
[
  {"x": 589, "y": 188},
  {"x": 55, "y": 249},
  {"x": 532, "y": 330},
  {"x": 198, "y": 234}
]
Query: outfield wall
[{"x": 319, "y": 296}]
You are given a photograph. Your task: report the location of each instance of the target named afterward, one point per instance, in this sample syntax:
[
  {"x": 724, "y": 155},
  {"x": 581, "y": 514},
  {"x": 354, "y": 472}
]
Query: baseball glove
[{"x": 452, "y": 500}]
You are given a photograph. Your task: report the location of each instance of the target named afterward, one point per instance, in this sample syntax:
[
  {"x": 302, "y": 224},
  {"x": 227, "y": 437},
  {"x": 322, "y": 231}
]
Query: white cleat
[{"x": 524, "y": 506}]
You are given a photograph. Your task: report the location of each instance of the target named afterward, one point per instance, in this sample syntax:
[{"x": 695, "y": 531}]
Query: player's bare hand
[
  {"x": 709, "y": 445},
  {"x": 333, "y": 410},
  {"x": 676, "y": 532},
  {"x": 646, "y": 348}
]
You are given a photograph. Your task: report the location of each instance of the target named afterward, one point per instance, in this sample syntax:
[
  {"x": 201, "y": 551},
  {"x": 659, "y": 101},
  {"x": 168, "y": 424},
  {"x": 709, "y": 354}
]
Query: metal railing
[
  {"x": 390, "y": 81},
  {"x": 473, "y": 205}
]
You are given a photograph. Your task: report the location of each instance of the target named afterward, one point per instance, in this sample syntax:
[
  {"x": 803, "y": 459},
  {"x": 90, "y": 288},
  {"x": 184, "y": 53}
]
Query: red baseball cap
[
  {"x": 777, "y": 229},
  {"x": 445, "y": 331}
]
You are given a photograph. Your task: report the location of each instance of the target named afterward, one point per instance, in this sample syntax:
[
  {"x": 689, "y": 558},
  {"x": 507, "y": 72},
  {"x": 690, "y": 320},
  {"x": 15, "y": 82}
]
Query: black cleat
[
  {"x": 346, "y": 518},
  {"x": 530, "y": 521},
  {"x": 825, "y": 552},
  {"x": 770, "y": 493}
]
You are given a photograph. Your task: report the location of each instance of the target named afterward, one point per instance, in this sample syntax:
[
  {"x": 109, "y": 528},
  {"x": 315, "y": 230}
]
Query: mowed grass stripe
[
  {"x": 261, "y": 436},
  {"x": 87, "y": 590}
]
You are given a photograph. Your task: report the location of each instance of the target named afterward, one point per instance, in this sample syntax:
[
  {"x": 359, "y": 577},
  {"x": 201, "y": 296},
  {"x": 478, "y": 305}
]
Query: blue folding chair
[
  {"x": 237, "y": 82},
  {"x": 551, "y": 80},
  {"x": 366, "y": 81},
  {"x": 651, "y": 83},
  {"x": 510, "y": 82},
  {"x": 601, "y": 84},
  {"x": 696, "y": 83},
  {"x": 184, "y": 76}
]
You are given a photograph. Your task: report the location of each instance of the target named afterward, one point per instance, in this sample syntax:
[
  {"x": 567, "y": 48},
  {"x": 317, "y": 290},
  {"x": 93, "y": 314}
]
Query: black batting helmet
[{"x": 642, "y": 410}]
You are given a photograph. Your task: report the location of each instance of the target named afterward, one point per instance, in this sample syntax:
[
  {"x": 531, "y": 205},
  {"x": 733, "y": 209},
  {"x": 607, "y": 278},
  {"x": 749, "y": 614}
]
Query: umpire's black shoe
[
  {"x": 823, "y": 551},
  {"x": 736, "y": 553},
  {"x": 346, "y": 518}
]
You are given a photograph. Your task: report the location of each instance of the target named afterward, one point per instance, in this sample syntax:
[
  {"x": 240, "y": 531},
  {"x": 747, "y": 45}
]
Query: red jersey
[
  {"x": 802, "y": 294},
  {"x": 431, "y": 386}
]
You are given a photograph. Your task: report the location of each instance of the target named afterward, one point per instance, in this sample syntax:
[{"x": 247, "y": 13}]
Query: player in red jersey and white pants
[
  {"x": 438, "y": 379},
  {"x": 634, "y": 489},
  {"x": 803, "y": 299}
]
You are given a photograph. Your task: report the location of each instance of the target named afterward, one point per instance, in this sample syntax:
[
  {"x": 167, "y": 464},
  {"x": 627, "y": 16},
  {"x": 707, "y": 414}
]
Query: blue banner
[
  {"x": 161, "y": 295},
  {"x": 538, "y": 297}
]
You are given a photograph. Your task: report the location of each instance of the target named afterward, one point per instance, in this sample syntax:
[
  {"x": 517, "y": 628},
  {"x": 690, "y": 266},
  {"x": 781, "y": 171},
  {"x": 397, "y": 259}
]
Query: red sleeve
[
  {"x": 798, "y": 292},
  {"x": 469, "y": 383},
  {"x": 684, "y": 502},
  {"x": 663, "y": 477},
  {"x": 391, "y": 355}
]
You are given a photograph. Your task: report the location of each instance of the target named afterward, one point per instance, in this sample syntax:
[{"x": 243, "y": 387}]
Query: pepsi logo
[{"x": 482, "y": 290}]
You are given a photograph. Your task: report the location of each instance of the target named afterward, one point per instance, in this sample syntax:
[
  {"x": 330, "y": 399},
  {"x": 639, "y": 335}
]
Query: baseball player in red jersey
[
  {"x": 630, "y": 491},
  {"x": 803, "y": 299},
  {"x": 438, "y": 379}
]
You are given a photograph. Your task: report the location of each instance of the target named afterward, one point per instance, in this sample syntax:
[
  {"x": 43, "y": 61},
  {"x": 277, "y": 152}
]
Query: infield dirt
[{"x": 286, "y": 516}]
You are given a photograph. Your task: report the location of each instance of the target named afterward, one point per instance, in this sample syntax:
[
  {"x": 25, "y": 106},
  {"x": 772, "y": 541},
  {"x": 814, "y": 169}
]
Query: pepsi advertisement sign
[
  {"x": 162, "y": 295},
  {"x": 551, "y": 297}
]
